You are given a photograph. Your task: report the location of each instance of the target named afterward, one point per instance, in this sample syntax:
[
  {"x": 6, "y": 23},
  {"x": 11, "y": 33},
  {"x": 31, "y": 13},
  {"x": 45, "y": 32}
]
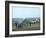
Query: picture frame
[{"x": 8, "y": 7}]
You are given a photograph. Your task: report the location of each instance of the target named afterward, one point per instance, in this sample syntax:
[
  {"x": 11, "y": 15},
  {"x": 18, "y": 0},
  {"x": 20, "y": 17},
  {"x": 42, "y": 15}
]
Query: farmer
[
  {"x": 16, "y": 24},
  {"x": 30, "y": 23}
]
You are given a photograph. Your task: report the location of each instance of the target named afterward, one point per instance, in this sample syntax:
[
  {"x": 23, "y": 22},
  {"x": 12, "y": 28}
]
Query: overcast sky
[{"x": 25, "y": 12}]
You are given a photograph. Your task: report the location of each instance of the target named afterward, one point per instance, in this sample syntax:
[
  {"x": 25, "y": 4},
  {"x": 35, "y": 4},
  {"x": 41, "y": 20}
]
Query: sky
[{"x": 25, "y": 12}]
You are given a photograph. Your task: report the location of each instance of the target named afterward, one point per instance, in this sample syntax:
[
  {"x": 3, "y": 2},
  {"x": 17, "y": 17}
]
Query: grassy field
[{"x": 35, "y": 26}]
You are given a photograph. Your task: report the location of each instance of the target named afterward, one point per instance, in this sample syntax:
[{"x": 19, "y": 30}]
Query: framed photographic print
[{"x": 24, "y": 18}]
